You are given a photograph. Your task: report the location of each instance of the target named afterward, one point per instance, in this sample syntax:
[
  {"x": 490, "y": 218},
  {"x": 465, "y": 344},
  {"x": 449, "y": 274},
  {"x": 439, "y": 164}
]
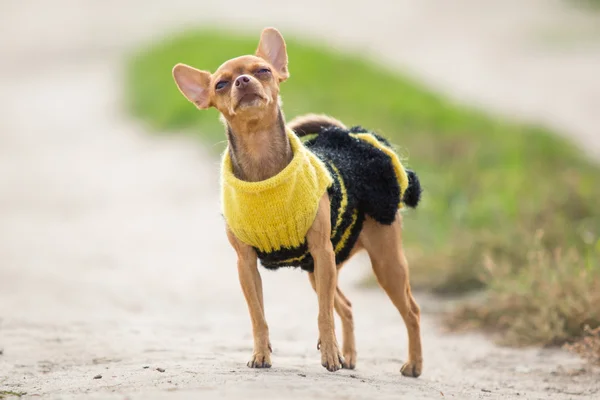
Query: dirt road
[{"x": 113, "y": 257}]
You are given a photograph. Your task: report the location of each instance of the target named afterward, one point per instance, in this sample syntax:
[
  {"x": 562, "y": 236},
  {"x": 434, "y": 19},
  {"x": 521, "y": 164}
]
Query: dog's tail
[
  {"x": 412, "y": 194},
  {"x": 313, "y": 123}
]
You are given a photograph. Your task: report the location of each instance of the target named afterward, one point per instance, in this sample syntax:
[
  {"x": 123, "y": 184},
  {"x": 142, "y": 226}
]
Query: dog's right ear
[
  {"x": 272, "y": 49},
  {"x": 193, "y": 84}
]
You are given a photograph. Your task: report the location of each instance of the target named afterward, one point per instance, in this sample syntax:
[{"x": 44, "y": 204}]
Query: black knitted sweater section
[{"x": 364, "y": 184}]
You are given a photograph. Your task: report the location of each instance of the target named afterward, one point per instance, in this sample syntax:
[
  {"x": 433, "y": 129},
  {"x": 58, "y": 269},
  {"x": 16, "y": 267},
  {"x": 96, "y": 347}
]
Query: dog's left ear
[{"x": 272, "y": 49}]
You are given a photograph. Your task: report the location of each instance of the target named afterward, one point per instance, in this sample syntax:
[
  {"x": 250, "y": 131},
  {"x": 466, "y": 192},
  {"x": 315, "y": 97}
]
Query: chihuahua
[{"x": 245, "y": 90}]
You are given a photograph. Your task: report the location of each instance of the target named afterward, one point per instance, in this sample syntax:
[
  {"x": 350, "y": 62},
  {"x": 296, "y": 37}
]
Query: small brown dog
[{"x": 260, "y": 151}]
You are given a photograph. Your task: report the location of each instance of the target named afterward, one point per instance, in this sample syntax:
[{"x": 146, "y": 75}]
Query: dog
[{"x": 310, "y": 204}]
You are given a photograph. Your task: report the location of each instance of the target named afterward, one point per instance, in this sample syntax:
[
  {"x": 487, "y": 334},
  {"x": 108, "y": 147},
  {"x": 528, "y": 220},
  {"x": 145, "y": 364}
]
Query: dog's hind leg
[
  {"x": 344, "y": 310},
  {"x": 384, "y": 245},
  {"x": 251, "y": 283}
]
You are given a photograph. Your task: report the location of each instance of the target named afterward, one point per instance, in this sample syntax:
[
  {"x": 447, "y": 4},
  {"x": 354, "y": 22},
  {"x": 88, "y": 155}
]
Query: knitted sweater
[
  {"x": 277, "y": 212},
  {"x": 358, "y": 169}
]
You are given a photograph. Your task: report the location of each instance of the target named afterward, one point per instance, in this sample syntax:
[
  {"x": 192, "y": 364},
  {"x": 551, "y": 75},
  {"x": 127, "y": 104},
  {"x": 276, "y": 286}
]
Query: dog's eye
[
  {"x": 221, "y": 84},
  {"x": 263, "y": 71}
]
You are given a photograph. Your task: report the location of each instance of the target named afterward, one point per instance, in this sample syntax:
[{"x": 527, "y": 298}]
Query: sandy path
[{"x": 112, "y": 254}]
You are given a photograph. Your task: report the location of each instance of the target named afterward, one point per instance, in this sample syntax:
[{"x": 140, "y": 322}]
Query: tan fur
[
  {"x": 383, "y": 243},
  {"x": 343, "y": 307},
  {"x": 312, "y": 123},
  {"x": 251, "y": 283},
  {"x": 260, "y": 149},
  {"x": 258, "y": 144},
  {"x": 325, "y": 274}
]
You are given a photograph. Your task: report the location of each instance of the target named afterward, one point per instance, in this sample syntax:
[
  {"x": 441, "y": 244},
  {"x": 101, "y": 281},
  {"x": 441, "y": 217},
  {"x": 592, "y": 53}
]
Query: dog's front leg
[
  {"x": 252, "y": 287},
  {"x": 321, "y": 249}
]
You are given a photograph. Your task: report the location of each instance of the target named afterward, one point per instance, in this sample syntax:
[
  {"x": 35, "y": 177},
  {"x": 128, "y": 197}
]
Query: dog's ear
[
  {"x": 272, "y": 49},
  {"x": 193, "y": 84}
]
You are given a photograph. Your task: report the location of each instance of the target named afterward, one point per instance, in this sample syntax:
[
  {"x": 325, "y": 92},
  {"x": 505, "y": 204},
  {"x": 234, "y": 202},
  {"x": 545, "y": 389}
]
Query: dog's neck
[{"x": 259, "y": 149}]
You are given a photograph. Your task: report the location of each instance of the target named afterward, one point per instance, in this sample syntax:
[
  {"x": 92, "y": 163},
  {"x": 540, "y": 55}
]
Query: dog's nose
[{"x": 242, "y": 81}]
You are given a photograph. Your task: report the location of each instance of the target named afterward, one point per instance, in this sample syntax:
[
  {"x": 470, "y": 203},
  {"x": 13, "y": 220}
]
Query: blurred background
[{"x": 109, "y": 211}]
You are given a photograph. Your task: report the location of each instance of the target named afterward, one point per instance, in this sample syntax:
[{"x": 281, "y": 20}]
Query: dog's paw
[
  {"x": 349, "y": 359},
  {"x": 412, "y": 369},
  {"x": 260, "y": 359},
  {"x": 331, "y": 358}
]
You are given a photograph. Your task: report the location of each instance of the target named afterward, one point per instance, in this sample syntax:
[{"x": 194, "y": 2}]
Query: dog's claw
[
  {"x": 259, "y": 364},
  {"x": 331, "y": 358},
  {"x": 349, "y": 358},
  {"x": 319, "y": 344},
  {"x": 411, "y": 369},
  {"x": 260, "y": 360},
  {"x": 348, "y": 364},
  {"x": 333, "y": 367}
]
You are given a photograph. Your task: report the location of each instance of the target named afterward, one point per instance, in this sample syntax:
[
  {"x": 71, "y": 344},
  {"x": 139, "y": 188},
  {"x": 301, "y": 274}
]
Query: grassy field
[
  {"x": 507, "y": 207},
  {"x": 595, "y": 4}
]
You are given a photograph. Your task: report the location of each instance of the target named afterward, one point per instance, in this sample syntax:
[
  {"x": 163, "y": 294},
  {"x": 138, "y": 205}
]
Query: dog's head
[{"x": 243, "y": 88}]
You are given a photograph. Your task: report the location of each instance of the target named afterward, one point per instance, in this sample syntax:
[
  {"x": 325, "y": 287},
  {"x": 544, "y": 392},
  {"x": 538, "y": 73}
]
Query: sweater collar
[{"x": 294, "y": 167}]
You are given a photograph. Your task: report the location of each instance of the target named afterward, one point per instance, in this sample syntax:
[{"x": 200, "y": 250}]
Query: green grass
[
  {"x": 550, "y": 302},
  {"x": 9, "y": 393},
  {"x": 593, "y": 4},
  {"x": 490, "y": 184}
]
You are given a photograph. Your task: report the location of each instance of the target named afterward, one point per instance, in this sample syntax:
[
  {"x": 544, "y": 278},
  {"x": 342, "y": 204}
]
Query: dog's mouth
[{"x": 249, "y": 100}]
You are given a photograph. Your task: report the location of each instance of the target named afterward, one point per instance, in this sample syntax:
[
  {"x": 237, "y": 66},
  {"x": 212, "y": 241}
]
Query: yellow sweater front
[{"x": 277, "y": 212}]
